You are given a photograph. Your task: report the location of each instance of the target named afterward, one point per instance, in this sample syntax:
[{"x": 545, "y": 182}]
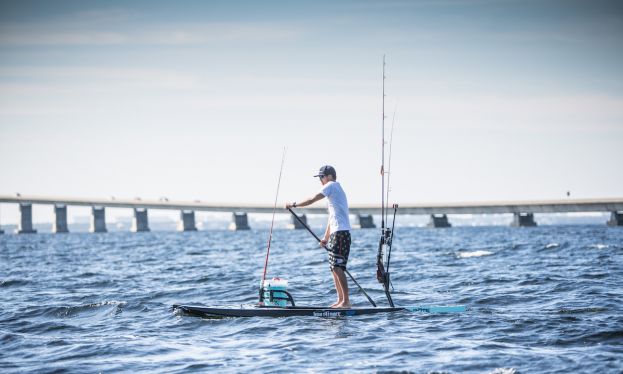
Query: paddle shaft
[{"x": 325, "y": 247}]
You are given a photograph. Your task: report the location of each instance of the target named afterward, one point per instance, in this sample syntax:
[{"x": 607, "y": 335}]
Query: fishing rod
[
  {"x": 395, "y": 206},
  {"x": 389, "y": 244},
  {"x": 389, "y": 160},
  {"x": 383, "y": 152},
  {"x": 270, "y": 234},
  {"x": 382, "y": 273},
  {"x": 346, "y": 271}
]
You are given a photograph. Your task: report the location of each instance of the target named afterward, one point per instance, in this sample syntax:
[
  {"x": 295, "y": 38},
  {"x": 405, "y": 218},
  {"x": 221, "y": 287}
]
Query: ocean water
[{"x": 540, "y": 300}]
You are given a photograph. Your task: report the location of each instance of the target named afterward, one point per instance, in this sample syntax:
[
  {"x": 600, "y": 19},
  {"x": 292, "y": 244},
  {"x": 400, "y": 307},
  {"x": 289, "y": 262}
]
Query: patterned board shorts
[{"x": 339, "y": 249}]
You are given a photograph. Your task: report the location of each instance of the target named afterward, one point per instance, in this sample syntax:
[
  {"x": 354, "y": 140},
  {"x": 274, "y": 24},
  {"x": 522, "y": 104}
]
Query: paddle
[{"x": 346, "y": 271}]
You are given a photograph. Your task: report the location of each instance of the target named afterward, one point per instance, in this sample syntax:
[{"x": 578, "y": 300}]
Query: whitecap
[
  {"x": 552, "y": 245},
  {"x": 504, "y": 371},
  {"x": 599, "y": 246},
  {"x": 105, "y": 303},
  {"x": 479, "y": 253}
]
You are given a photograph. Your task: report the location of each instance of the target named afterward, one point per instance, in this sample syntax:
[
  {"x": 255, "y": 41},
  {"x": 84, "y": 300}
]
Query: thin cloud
[
  {"x": 67, "y": 35},
  {"x": 585, "y": 114},
  {"x": 80, "y": 76}
]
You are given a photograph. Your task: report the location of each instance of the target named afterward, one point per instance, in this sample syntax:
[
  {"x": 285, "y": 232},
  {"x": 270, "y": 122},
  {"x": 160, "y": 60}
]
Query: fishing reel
[
  {"x": 387, "y": 237},
  {"x": 382, "y": 276},
  {"x": 382, "y": 264}
]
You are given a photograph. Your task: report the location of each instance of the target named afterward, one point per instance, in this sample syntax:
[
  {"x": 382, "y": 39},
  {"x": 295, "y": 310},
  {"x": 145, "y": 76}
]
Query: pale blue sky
[{"x": 496, "y": 99}]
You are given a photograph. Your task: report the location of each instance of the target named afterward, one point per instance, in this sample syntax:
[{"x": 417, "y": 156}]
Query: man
[{"x": 337, "y": 234}]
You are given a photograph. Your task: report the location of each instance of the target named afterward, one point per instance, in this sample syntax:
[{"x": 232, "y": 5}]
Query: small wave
[
  {"x": 582, "y": 310},
  {"x": 552, "y": 245},
  {"x": 13, "y": 282},
  {"x": 533, "y": 281},
  {"x": 195, "y": 253},
  {"x": 104, "y": 303},
  {"x": 603, "y": 336},
  {"x": 71, "y": 311},
  {"x": 599, "y": 337},
  {"x": 504, "y": 371},
  {"x": 88, "y": 274},
  {"x": 600, "y": 246},
  {"x": 473, "y": 254},
  {"x": 595, "y": 275}
]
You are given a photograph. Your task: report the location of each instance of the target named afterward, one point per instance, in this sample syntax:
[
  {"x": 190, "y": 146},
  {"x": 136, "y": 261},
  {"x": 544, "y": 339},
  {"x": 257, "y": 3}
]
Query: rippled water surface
[{"x": 546, "y": 299}]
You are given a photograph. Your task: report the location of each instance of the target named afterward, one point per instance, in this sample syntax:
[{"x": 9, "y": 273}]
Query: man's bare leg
[
  {"x": 338, "y": 289},
  {"x": 342, "y": 283}
]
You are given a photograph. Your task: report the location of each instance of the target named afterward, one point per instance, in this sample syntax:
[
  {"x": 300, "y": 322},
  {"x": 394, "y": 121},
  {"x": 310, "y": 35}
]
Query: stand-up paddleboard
[
  {"x": 289, "y": 311},
  {"x": 295, "y": 311}
]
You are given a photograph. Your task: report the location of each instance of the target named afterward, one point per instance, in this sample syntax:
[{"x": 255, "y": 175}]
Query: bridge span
[{"x": 523, "y": 211}]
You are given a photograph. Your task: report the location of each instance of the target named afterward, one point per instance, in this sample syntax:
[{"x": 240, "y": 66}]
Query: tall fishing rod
[
  {"x": 325, "y": 247},
  {"x": 386, "y": 234},
  {"x": 270, "y": 234},
  {"x": 383, "y": 151}
]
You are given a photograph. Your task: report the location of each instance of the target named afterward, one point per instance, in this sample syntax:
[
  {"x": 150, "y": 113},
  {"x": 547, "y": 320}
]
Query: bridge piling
[
  {"x": 616, "y": 219},
  {"x": 365, "y": 221},
  {"x": 295, "y": 224},
  {"x": 140, "y": 222},
  {"x": 25, "y": 222},
  {"x": 60, "y": 219},
  {"x": 98, "y": 219},
  {"x": 523, "y": 220},
  {"x": 240, "y": 221},
  {"x": 438, "y": 221},
  {"x": 187, "y": 221}
]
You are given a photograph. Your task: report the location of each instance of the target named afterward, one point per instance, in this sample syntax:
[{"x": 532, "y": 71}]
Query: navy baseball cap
[{"x": 326, "y": 170}]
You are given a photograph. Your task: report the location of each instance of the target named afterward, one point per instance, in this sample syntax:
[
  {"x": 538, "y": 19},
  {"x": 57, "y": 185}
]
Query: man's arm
[
  {"x": 305, "y": 202},
  {"x": 325, "y": 240}
]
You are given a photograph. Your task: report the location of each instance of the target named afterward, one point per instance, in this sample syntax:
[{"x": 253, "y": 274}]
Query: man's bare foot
[
  {"x": 335, "y": 304},
  {"x": 343, "y": 305}
]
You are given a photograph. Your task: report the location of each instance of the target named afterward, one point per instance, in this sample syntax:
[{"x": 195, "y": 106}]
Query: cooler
[{"x": 273, "y": 286}]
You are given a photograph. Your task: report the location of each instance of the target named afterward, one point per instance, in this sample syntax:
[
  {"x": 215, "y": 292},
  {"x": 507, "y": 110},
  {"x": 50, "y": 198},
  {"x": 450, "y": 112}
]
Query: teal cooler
[{"x": 275, "y": 285}]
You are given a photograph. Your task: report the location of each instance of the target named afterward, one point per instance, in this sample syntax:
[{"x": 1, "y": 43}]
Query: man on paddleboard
[{"x": 337, "y": 235}]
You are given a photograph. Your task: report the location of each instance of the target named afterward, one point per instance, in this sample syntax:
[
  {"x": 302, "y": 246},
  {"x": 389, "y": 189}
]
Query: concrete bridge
[{"x": 523, "y": 211}]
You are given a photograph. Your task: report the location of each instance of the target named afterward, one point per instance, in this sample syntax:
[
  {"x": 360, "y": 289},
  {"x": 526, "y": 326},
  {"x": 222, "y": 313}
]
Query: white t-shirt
[{"x": 338, "y": 206}]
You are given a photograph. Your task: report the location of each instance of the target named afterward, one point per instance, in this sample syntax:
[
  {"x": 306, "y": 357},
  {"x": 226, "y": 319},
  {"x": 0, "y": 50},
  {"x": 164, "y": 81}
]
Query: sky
[{"x": 489, "y": 99}]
